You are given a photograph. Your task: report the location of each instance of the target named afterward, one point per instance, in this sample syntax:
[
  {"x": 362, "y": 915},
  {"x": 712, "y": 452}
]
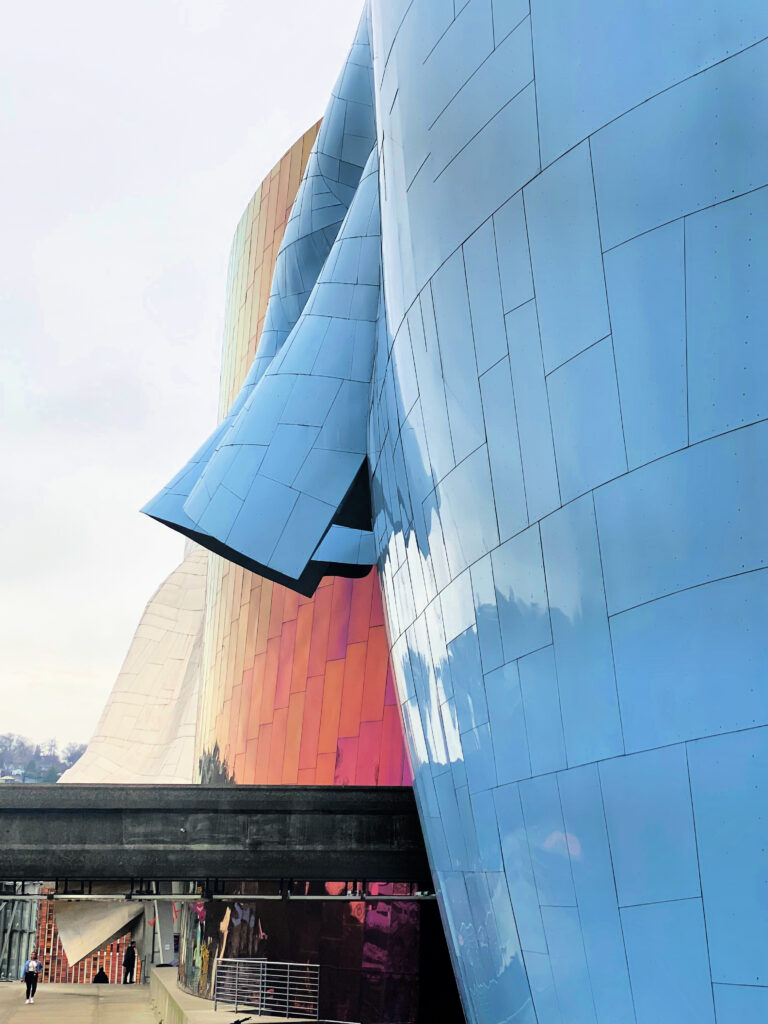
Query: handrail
[{"x": 273, "y": 987}]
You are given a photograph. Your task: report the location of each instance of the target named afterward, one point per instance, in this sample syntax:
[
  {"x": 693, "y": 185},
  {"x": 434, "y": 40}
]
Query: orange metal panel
[
  {"x": 310, "y": 732},
  {"x": 326, "y": 766},
  {"x": 293, "y": 739},
  {"x": 352, "y": 690},
  {"x": 346, "y": 762},
  {"x": 320, "y": 625},
  {"x": 329, "y": 719},
  {"x": 285, "y": 666},
  {"x": 277, "y": 747},
  {"x": 376, "y": 665},
  {"x": 360, "y": 612},
  {"x": 339, "y": 624},
  {"x": 269, "y": 682},
  {"x": 368, "y": 766},
  {"x": 301, "y": 649}
]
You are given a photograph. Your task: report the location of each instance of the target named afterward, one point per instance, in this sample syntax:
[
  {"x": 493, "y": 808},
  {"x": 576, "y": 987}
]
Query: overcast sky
[{"x": 132, "y": 135}]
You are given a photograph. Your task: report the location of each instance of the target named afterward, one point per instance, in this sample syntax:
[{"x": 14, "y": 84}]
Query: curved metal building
[{"x": 515, "y": 356}]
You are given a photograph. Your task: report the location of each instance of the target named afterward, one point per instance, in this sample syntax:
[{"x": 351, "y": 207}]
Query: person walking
[
  {"x": 32, "y": 971},
  {"x": 129, "y": 964}
]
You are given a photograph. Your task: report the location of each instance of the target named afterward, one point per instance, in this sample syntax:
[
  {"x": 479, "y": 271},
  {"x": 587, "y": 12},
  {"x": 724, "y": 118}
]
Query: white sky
[{"x": 132, "y": 134}]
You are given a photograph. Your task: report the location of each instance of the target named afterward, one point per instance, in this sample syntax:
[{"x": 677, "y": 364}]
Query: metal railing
[{"x": 268, "y": 987}]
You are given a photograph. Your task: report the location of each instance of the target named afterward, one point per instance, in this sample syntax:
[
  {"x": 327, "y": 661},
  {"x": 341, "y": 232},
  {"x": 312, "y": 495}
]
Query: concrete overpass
[{"x": 236, "y": 833}]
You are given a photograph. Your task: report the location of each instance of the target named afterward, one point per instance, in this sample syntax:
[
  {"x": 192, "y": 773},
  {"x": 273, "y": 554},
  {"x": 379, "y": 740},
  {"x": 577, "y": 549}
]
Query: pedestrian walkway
[{"x": 76, "y": 1004}]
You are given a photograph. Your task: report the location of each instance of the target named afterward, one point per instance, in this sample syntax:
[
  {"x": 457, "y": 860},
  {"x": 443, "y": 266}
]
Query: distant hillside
[{"x": 24, "y": 761}]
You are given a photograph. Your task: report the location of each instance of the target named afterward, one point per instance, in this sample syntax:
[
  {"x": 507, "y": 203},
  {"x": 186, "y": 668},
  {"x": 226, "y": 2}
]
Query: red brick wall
[{"x": 56, "y": 967}]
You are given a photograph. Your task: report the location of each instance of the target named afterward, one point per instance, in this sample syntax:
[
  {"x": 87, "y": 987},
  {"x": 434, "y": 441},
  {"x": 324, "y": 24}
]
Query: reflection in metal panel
[{"x": 268, "y": 987}]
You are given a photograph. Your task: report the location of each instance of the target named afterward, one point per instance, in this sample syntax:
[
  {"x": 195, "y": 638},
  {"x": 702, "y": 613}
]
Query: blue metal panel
[
  {"x": 466, "y": 673},
  {"x": 532, "y": 406},
  {"x": 729, "y": 781},
  {"x": 504, "y": 449},
  {"x": 548, "y": 842},
  {"x": 326, "y": 475},
  {"x": 585, "y": 673},
  {"x": 666, "y": 527},
  {"x": 470, "y": 186},
  {"x": 512, "y": 252},
  {"x": 309, "y": 517},
  {"x": 505, "y": 712},
  {"x": 242, "y": 468},
  {"x": 406, "y": 386},
  {"x": 287, "y": 450},
  {"x": 521, "y": 594},
  {"x": 507, "y": 14},
  {"x": 310, "y": 400},
  {"x": 699, "y": 161},
  {"x": 741, "y": 1004},
  {"x": 592, "y": 65},
  {"x": 509, "y": 995},
  {"x": 486, "y": 614},
  {"x": 467, "y": 511},
  {"x": 457, "y": 351},
  {"x": 650, "y": 826},
  {"x": 257, "y": 420},
  {"x": 593, "y": 879},
  {"x": 449, "y": 815},
  {"x": 426, "y": 356},
  {"x": 461, "y": 925},
  {"x": 693, "y": 664},
  {"x": 543, "y": 988},
  {"x": 726, "y": 268},
  {"x": 271, "y": 503},
  {"x": 519, "y": 868},
  {"x": 457, "y": 55},
  {"x": 342, "y": 544},
  {"x": 485, "y": 305},
  {"x": 586, "y": 421},
  {"x": 458, "y": 606},
  {"x": 646, "y": 294},
  {"x": 221, "y": 511},
  {"x": 668, "y": 966},
  {"x": 488, "y": 847},
  {"x": 342, "y": 428},
  {"x": 569, "y": 964},
  {"x": 565, "y": 253},
  {"x": 507, "y": 70},
  {"x": 541, "y": 703},
  {"x": 467, "y": 819}
]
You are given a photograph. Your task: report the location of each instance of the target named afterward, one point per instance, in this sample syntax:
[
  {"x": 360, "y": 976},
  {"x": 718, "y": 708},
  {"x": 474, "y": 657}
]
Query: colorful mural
[{"x": 379, "y": 960}]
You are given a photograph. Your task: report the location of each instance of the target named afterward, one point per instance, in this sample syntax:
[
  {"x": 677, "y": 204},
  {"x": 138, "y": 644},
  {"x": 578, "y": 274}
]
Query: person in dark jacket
[
  {"x": 100, "y": 978},
  {"x": 129, "y": 964}
]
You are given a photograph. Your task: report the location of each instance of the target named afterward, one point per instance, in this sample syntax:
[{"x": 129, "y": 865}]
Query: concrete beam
[{"x": 244, "y": 833}]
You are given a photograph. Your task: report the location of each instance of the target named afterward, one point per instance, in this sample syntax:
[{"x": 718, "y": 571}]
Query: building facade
[
  {"x": 295, "y": 689},
  {"x": 18, "y": 928},
  {"x": 234, "y": 678},
  {"x": 148, "y": 727},
  {"x": 519, "y": 365}
]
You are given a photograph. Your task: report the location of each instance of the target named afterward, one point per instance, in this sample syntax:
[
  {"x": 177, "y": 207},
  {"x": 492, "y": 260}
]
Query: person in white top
[{"x": 32, "y": 971}]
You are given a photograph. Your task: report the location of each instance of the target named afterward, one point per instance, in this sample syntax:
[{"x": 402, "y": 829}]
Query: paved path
[{"x": 76, "y": 1004}]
